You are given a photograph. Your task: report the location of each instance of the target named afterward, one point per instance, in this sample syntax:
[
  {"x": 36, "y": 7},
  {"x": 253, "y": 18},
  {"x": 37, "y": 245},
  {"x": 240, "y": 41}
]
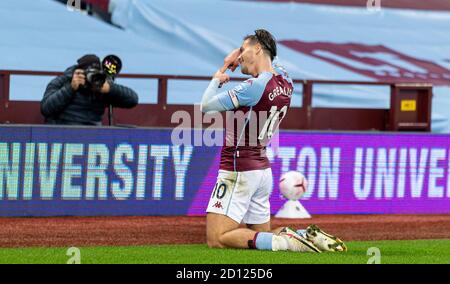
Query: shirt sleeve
[
  {"x": 248, "y": 93},
  {"x": 212, "y": 101}
]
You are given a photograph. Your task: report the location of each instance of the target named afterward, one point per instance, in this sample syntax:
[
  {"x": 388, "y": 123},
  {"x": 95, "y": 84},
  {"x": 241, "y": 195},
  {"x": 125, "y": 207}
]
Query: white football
[{"x": 293, "y": 185}]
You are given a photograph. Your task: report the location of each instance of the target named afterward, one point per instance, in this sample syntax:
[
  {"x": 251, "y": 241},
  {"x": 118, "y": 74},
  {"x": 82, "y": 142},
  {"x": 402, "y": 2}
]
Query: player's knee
[{"x": 214, "y": 242}]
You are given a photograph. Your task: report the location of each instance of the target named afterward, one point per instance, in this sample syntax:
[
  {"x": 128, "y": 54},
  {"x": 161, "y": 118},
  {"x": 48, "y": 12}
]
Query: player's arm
[
  {"x": 246, "y": 94},
  {"x": 213, "y": 99}
]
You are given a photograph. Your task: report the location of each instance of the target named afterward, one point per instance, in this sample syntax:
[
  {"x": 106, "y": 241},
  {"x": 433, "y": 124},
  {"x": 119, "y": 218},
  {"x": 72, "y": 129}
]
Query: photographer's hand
[
  {"x": 106, "y": 88},
  {"x": 78, "y": 79}
]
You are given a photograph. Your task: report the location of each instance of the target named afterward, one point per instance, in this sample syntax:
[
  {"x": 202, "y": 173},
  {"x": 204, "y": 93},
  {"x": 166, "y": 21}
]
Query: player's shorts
[{"x": 243, "y": 196}]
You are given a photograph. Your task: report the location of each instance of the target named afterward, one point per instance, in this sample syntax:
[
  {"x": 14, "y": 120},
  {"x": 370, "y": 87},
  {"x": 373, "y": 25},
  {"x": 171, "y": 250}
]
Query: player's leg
[
  {"x": 258, "y": 215},
  {"x": 224, "y": 232},
  {"x": 258, "y": 218},
  {"x": 322, "y": 240},
  {"x": 230, "y": 202},
  {"x": 266, "y": 227},
  {"x": 227, "y": 207}
]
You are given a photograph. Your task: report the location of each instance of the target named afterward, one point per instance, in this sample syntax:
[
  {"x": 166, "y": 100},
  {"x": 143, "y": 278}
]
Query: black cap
[{"x": 88, "y": 60}]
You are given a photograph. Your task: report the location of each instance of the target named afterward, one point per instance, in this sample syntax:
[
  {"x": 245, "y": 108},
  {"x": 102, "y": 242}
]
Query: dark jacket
[{"x": 62, "y": 105}]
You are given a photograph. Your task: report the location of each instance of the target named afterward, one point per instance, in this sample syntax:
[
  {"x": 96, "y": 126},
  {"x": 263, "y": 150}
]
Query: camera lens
[{"x": 95, "y": 78}]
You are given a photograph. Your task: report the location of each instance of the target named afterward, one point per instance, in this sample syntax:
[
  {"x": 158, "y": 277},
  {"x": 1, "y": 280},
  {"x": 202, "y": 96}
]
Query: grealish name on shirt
[{"x": 280, "y": 91}]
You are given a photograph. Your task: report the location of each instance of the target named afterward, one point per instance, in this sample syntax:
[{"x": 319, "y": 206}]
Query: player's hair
[{"x": 266, "y": 40}]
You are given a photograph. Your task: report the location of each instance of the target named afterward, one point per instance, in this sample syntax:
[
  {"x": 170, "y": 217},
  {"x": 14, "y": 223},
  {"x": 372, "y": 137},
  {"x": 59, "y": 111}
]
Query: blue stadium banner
[{"x": 61, "y": 171}]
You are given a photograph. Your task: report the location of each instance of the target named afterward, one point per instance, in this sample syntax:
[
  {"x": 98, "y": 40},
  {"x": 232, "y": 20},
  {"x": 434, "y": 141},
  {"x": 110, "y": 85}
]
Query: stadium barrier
[
  {"x": 88, "y": 171},
  {"x": 410, "y": 106}
]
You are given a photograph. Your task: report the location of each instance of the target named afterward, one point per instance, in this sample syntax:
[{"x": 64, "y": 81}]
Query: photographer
[{"x": 80, "y": 96}]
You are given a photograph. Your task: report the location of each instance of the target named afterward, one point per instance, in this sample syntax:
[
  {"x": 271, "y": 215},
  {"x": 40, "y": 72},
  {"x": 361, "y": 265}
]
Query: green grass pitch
[{"x": 417, "y": 251}]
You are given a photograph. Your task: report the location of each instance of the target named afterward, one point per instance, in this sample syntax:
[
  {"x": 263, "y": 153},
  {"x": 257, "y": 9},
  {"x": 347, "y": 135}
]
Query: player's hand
[
  {"x": 78, "y": 79},
  {"x": 231, "y": 61},
  {"x": 223, "y": 78}
]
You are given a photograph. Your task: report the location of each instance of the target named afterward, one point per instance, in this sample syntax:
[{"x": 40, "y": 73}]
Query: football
[{"x": 293, "y": 185}]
